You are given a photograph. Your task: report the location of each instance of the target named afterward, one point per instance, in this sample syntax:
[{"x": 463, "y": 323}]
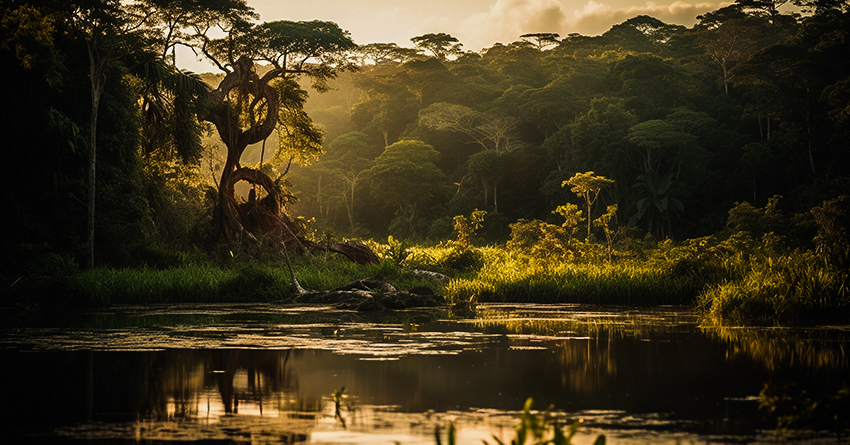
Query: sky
[{"x": 478, "y": 24}]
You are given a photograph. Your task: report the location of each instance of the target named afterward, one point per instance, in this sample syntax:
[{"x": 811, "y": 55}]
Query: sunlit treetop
[
  {"x": 541, "y": 39},
  {"x": 293, "y": 45},
  {"x": 171, "y": 23},
  {"x": 441, "y": 45},
  {"x": 380, "y": 53}
]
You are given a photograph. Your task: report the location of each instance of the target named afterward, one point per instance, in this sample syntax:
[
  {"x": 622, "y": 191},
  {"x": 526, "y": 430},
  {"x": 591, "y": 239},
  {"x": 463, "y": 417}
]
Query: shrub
[
  {"x": 463, "y": 259},
  {"x": 540, "y": 239}
]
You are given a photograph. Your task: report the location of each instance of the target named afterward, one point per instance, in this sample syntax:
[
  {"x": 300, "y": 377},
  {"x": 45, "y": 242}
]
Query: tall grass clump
[
  {"x": 543, "y": 263},
  {"x": 778, "y": 287},
  {"x": 780, "y": 290},
  {"x": 515, "y": 278},
  {"x": 185, "y": 284},
  {"x": 102, "y": 286}
]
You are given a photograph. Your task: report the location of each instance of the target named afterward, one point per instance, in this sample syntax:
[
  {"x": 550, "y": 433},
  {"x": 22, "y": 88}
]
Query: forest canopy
[{"x": 116, "y": 156}]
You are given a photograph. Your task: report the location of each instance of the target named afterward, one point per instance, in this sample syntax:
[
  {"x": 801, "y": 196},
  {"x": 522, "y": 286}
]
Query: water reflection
[
  {"x": 639, "y": 376},
  {"x": 815, "y": 348}
]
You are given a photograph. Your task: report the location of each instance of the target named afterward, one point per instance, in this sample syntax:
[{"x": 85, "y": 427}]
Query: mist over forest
[{"x": 747, "y": 107}]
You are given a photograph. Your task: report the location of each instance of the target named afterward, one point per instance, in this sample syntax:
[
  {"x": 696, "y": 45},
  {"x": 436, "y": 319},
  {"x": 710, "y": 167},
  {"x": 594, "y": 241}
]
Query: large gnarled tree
[{"x": 247, "y": 107}]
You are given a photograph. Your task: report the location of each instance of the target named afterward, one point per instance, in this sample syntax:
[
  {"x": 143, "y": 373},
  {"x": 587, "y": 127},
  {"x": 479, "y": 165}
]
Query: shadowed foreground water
[{"x": 266, "y": 374}]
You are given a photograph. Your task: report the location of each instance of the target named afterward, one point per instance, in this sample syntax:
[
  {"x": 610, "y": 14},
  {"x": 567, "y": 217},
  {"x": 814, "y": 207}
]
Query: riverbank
[{"x": 731, "y": 282}]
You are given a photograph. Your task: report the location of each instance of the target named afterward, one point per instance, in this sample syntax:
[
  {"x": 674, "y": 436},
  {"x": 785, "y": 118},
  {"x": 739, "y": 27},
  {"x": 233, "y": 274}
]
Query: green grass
[
  {"x": 797, "y": 288},
  {"x": 516, "y": 278},
  {"x": 243, "y": 280},
  {"x": 734, "y": 281}
]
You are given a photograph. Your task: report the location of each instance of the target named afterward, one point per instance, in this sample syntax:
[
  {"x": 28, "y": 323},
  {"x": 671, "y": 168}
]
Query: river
[{"x": 267, "y": 374}]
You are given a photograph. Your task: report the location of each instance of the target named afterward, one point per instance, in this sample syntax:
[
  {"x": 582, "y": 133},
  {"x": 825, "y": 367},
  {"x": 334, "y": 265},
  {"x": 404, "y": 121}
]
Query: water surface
[{"x": 267, "y": 374}]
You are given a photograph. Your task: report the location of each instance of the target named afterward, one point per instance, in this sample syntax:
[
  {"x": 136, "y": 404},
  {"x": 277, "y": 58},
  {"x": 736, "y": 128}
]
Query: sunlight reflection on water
[{"x": 265, "y": 374}]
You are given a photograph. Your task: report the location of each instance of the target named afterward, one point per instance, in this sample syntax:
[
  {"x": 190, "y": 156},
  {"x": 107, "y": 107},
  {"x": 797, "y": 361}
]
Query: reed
[
  {"x": 801, "y": 287},
  {"x": 515, "y": 278},
  {"x": 535, "y": 428},
  {"x": 240, "y": 281},
  {"x": 731, "y": 281}
]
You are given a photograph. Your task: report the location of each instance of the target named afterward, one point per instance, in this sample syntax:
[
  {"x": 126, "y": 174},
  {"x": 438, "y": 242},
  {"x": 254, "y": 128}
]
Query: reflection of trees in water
[
  {"x": 825, "y": 349},
  {"x": 587, "y": 357},
  {"x": 176, "y": 384},
  {"x": 820, "y": 400},
  {"x": 588, "y": 365},
  {"x": 622, "y": 324}
]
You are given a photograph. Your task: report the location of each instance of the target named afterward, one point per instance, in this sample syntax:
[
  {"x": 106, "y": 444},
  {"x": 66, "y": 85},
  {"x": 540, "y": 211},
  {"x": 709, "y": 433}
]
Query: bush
[
  {"x": 540, "y": 239},
  {"x": 463, "y": 259}
]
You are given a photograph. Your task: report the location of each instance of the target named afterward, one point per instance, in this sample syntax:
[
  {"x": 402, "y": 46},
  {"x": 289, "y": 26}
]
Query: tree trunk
[
  {"x": 243, "y": 96},
  {"x": 809, "y": 140},
  {"x": 92, "y": 180},
  {"x": 350, "y": 206},
  {"x": 245, "y": 110},
  {"x": 96, "y": 73}
]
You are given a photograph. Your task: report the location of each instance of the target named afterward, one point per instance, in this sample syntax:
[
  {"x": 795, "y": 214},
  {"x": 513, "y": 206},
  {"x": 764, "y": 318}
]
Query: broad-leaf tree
[
  {"x": 657, "y": 205},
  {"x": 248, "y": 106},
  {"x": 541, "y": 40},
  {"x": 381, "y": 53},
  {"x": 588, "y": 186},
  {"x": 102, "y": 25},
  {"x": 404, "y": 178},
  {"x": 441, "y": 45}
]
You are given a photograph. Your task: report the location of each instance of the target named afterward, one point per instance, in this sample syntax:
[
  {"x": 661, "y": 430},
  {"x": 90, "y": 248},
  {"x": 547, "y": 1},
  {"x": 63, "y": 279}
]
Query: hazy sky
[{"x": 477, "y": 24}]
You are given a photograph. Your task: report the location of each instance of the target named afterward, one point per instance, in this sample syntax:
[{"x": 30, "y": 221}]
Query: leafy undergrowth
[{"x": 731, "y": 281}]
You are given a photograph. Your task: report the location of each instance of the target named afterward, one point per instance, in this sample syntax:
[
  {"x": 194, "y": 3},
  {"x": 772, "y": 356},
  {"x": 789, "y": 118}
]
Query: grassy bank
[
  {"x": 507, "y": 276},
  {"x": 248, "y": 280},
  {"x": 798, "y": 288},
  {"x": 732, "y": 281}
]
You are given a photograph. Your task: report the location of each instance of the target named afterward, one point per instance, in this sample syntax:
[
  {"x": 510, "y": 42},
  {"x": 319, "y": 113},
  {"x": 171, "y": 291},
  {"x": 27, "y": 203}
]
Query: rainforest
[{"x": 655, "y": 170}]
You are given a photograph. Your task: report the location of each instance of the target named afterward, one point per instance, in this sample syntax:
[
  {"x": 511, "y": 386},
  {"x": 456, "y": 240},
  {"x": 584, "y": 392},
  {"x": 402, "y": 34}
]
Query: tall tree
[
  {"x": 541, "y": 40},
  {"x": 588, "y": 186},
  {"x": 404, "y": 177},
  {"x": 247, "y": 107},
  {"x": 819, "y": 7},
  {"x": 726, "y": 36},
  {"x": 380, "y": 53},
  {"x": 441, "y": 45},
  {"x": 101, "y": 24}
]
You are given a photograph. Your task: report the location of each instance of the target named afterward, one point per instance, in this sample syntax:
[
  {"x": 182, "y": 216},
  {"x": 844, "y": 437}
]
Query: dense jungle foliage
[{"x": 717, "y": 153}]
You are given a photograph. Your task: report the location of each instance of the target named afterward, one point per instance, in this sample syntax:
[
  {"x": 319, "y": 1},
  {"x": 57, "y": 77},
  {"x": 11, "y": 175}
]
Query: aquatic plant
[{"x": 533, "y": 429}]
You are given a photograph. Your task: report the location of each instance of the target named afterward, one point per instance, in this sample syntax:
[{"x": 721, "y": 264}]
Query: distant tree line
[
  {"x": 747, "y": 104},
  {"x": 115, "y": 156}
]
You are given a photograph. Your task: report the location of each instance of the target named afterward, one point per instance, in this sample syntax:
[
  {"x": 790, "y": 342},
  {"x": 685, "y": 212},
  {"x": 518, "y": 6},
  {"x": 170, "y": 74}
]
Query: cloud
[
  {"x": 508, "y": 19},
  {"x": 596, "y": 18}
]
